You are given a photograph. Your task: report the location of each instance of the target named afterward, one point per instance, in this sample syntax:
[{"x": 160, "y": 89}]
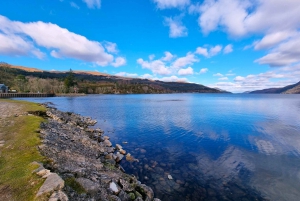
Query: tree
[
  {"x": 21, "y": 82},
  {"x": 69, "y": 81}
]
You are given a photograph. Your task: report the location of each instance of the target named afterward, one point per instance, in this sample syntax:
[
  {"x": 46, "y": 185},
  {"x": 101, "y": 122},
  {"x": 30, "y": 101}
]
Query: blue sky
[{"x": 236, "y": 45}]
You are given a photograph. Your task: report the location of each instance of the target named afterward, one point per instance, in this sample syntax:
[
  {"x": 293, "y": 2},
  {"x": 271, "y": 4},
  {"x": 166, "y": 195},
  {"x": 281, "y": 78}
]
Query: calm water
[{"x": 215, "y": 146}]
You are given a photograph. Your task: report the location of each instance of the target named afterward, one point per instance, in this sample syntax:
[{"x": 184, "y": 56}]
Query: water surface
[{"x": 215, "y": 146}]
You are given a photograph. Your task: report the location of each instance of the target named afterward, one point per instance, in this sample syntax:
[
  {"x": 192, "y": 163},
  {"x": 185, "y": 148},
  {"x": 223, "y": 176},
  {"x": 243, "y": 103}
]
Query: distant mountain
[
  {"x": 25, "y": 79},
  {"x": 290, "y": 89},
  {"x": 222, "y": 90}
]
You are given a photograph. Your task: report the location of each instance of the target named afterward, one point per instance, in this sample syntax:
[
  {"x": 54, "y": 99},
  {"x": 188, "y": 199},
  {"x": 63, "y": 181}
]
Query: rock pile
[{"x": 86, "y": 161}]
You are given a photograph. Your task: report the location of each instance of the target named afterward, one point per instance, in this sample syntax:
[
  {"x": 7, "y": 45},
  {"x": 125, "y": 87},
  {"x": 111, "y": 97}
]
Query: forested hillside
[{"x": 69, "y": 82}]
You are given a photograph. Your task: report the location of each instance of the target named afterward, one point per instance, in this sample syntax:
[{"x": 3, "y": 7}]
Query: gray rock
[
  {"x": 52, "y": 183},
  {"x": 58, "y": 196},
  {"x": 119, "y": 157},
  {"x": 114, "y": 187},
  {"x": 88, "y": 185},
  {"x": 145, "y": 191},
  {"x": 75, "y": 151},
  {"x": 107, "y": 143},
  {"x": 124, "y": 196},
  {"x": 119, "y": 147}
]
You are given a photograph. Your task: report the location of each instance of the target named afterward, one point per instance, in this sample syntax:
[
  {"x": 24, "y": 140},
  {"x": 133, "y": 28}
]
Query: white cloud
[
  {"x": 168, "y": 56},
  {"x": 239, "y": 78},
  {"x": 280, "y": 77},
  {"x": 189, "y": 59},
  {"x": 14, "y": 45},
  {"x": 202, "y": 51},
  {"x": 166, "y": 65},
  {"x": 74, "y": 5},
  {"x": 285, "y": 15},
  {"x": 59, "y": 41},
  {"x": 156, "y": 66},
  {"x": 227, "y": 49},
  {"x": 173, "y": 78},
  {"x": 203, "y": 70},
  {"x": 218, "y": 75},
  {"x": 124, "y": 74},
  {"x": 215, "y": 50},
  {"x": 146, "y": 76},
  {"x": 279, "y": 32},
  {"x": 285, "y": 53},
  {"x": 177, "y": 29},
  {"x": 223, "y": 78},
  {"x": 163, "y": 4},
  {"x": 186, "y": 71},
  {"x": 212, "y": 51},
  {"x": 214, "y": 15},
  {"x": 270, "y": 40},
  {"x": 119, "y": 61},
  {"x": 92, "y": 3}
]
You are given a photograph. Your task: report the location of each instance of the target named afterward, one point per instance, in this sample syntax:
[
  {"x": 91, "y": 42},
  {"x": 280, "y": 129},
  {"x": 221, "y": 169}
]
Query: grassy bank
[{"x": 19, "y": 150}]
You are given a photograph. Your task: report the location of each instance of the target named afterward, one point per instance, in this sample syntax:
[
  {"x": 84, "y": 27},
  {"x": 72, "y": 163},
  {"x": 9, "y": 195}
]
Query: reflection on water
[{"x": 215, "y": 146}]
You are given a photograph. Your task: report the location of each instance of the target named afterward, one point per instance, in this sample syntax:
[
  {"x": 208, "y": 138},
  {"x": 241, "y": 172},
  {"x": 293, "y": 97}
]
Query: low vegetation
[{"x": 18, "y": 152}]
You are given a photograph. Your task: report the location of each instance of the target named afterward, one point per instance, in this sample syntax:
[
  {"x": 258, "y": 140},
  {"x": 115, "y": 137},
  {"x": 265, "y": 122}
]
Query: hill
[
  {"x": 34, "y": 80},
  {"x": 290, "y": 89}
]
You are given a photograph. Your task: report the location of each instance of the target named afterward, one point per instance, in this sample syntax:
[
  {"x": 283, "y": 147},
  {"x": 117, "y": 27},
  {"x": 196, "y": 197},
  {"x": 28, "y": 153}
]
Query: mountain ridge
[{"x": 289, "y": 89}]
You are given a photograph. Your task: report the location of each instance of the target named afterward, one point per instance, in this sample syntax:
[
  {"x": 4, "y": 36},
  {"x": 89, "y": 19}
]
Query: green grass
[{"x": 19, "y": 151}]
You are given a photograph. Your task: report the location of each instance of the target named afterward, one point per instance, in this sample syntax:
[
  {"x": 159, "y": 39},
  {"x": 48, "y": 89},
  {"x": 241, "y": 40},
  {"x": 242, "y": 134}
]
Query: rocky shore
[{"x": 86, "y": 162}]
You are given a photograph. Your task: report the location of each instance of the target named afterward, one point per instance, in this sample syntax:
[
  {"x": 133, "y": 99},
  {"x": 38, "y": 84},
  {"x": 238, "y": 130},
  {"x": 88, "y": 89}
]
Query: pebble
[{"x": 170, "y": 177}]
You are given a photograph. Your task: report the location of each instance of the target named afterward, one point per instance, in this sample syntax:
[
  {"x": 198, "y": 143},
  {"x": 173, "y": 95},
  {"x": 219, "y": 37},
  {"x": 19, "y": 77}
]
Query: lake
[{"x": 214, "y": 146}]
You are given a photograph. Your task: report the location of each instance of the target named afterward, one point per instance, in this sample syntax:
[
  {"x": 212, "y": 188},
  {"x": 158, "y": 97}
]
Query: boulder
[
  {"x": 52, "y": 183},
  {"x": 88, "y": 185}
]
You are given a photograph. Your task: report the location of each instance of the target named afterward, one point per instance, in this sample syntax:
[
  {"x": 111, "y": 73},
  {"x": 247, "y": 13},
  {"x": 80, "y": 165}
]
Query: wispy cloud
[
  {"x": 124, "y": 74},
  {"x": 163, "y": 4},
  {"x": 209, "y": 51},
  {"x": 74, "y": 5},
  {"x": 228, "y": 49},
  {"x": 203, "y": 70},
  {"x": 177, "y": 29},
  {"x": 92, "y": 3}
]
